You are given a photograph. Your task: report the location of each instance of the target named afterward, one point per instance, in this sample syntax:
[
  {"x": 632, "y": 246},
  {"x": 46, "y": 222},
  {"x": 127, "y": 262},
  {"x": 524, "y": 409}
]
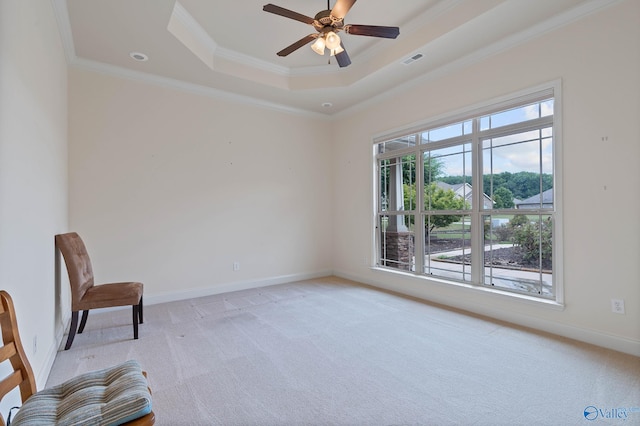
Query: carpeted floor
[{"x": 332, "y": 352}]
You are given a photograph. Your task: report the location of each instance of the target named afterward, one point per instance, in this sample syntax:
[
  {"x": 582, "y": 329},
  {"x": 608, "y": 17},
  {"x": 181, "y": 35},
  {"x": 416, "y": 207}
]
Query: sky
[{"x": 514, "y": 153}]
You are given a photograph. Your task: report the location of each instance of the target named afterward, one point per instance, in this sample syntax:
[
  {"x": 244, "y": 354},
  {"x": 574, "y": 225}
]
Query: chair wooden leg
[
  {"x": 140, "y": 319},
  {"x": 72, "y": 329},
  {"x": 83, "y": 321},
  {"x": 136, "y": 315}
]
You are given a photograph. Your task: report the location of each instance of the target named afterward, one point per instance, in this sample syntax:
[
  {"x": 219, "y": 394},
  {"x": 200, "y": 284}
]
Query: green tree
[
  {"x": 455, "y": 180},
  {"x": 435, "y": 198},
  {"x": 521, "y": 184},
  {"x": 409, "y": 194},
  {"x": 502, "y": 198},
  {"x": 433, "y": 169}
]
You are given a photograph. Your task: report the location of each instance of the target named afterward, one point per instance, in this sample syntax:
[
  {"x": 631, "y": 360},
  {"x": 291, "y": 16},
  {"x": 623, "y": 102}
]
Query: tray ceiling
[{"x": 228, "y": 49}]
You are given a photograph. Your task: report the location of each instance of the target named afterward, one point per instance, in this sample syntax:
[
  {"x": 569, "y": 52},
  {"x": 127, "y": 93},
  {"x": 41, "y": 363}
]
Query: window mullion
[
  {"x": 419, "y": 233},
  {"x": 477, "y": 225}
]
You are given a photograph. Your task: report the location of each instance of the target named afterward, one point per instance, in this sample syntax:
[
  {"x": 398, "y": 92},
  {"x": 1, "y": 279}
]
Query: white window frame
[{"x": 528, "y": 96}]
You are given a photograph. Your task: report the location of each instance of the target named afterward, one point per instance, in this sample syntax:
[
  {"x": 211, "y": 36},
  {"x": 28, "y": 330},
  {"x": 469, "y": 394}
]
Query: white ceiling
[{"x": 228, "y": 48}]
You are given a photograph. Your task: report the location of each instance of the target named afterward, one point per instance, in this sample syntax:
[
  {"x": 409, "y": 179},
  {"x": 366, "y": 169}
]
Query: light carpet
[{"x": 334, "y": 352}]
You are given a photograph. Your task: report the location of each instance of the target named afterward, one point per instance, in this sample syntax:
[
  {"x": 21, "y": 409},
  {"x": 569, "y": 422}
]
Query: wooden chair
[
  {"x": 85, "y": 295},
  {"x": 116, "y": 395}
]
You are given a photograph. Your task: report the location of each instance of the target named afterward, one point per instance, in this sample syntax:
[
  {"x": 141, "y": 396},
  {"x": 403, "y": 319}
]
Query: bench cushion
[{"x": 112, "y": 396}]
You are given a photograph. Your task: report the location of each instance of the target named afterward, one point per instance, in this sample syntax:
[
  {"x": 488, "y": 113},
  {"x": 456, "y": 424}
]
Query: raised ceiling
[{"x": 228, "y": 48}]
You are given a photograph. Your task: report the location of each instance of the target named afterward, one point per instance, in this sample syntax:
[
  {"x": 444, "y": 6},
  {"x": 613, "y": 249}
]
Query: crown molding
[
  {"x": 505, "y": 44},
  {"x": 171, "y": 83},
  {"x": 64, "y": 28},
  {"x": 252, "y": 62},
  {"x": 183, "y": 26},
  {"x": 204, "y": 40}
]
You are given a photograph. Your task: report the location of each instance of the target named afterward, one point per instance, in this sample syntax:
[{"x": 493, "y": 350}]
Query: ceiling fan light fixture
[
  {"x": 318, "y": 46},
  {"x": 337, "y": 50},
  {"x": 332, "y": 40}
]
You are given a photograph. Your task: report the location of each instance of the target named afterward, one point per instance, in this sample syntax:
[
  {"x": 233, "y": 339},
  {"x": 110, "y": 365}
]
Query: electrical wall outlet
[
  {"x": 35, "y": 344},
  {"x": 617, "y": 306},
  {"x": 236, "y": 266}
]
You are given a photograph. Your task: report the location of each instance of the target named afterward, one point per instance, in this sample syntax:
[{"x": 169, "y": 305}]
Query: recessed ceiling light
[
  {"x": 327, "y": 105},
  {"x": 139, "y": 56}
]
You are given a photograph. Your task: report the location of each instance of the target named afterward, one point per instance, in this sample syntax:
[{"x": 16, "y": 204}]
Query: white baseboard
[
  {"x": 594, "y": 337},
  {"x": 43, "y": 375},
  {"x": 229, "y": 287}
]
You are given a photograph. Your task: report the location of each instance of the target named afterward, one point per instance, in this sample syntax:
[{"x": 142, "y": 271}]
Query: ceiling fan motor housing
[{"x": 323, "y": 19}]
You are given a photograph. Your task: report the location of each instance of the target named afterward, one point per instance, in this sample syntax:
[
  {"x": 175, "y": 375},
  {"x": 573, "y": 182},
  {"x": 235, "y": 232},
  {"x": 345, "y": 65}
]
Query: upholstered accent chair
[
  {"x": 118, "y": 395},
  {"x": 85, "y": 295}
]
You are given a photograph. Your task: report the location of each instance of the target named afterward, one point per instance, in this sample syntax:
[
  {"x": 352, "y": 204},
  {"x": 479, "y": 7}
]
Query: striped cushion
[{"x": 112, "y": 396}]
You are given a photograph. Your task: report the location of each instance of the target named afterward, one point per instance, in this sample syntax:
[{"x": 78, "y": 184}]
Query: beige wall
[
  {"x": 33, "y": 172},
  {"x": 598, "y": 61},
  {"x": 171, "y": 188}
]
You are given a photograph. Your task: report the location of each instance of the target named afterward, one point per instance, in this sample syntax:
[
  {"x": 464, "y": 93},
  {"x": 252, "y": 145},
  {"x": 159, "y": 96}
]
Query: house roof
[
  {"x": 464, "y": 190},
  {"x": 547, "y": 198}
]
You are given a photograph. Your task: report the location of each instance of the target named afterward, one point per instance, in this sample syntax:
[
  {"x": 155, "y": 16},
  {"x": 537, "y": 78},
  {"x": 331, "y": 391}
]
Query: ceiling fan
[{"x": 328, "y": 23}]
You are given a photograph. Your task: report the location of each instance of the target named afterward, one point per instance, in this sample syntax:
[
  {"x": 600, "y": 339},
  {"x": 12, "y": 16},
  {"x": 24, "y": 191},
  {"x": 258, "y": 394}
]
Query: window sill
[{"x": 504, "y": 295}]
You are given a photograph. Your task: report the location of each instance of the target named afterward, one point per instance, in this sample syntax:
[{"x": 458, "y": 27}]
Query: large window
[{"x": 471, "y": 199}]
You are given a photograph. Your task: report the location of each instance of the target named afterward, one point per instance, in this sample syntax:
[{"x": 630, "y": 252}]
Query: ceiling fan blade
[
  {"x": 272, "y": 8},
  {"x": 343, "y": 58},
  {"x": 297, "y": 45},
  {"x": 341, "y": 8},
  {"x": 372, "y": 31}
]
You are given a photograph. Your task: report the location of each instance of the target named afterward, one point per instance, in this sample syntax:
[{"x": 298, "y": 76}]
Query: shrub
[
  {"x": 504, "y": 232},
  {"x": 536, "y": 241}
]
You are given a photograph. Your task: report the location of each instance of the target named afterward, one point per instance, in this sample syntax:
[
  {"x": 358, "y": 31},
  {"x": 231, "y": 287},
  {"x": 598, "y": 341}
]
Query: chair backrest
[
  {"x": 78, "y": 264},
  {"x": 13, "y": 351}
]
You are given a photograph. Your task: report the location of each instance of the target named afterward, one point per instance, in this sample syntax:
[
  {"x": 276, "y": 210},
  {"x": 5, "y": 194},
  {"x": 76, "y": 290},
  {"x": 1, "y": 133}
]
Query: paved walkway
[
  {"x": 515, "y": 279},
  {"x": 459, "y": 252}
]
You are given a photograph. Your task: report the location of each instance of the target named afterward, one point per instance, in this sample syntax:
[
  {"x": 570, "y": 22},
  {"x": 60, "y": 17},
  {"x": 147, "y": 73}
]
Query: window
[{"x": 471, "y": 199}]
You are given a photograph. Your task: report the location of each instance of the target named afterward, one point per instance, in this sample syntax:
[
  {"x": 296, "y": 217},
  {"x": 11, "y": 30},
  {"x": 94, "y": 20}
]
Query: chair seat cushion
[
  {"x": 112, "y": 396},
  {"x": 109, "y": 295}
]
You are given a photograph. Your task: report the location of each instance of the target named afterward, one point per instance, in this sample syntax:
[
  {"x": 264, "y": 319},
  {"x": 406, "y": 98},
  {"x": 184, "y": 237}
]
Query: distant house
[
  {"x": 544, "y": 200},
  {"x": 465, "y": 191}
]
